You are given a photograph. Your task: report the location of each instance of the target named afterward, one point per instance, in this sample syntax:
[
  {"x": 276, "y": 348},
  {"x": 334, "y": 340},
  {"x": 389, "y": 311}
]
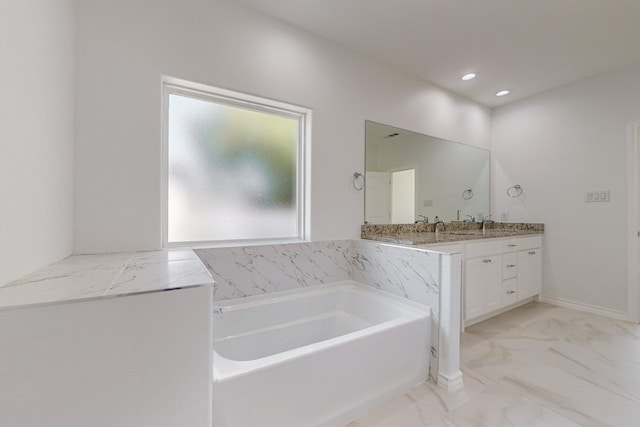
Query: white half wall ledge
[{"x": 141, "y": 360}]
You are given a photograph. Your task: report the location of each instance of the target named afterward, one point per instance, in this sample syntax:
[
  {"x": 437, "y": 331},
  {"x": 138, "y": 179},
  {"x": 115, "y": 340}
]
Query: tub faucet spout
[{"x": 217, "y": 310}]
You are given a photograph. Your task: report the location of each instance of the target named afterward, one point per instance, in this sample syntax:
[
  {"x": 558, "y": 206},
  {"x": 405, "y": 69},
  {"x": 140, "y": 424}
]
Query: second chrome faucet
[{"x": 487, "y": 219}]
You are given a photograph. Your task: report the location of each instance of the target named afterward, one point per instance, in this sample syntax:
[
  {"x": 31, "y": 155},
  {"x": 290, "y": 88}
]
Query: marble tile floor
[{"x": 537, "y": 365}]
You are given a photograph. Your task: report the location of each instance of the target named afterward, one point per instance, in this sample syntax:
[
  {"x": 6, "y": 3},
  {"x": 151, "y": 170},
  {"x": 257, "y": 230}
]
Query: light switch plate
[{"x": 597, "y": 196}]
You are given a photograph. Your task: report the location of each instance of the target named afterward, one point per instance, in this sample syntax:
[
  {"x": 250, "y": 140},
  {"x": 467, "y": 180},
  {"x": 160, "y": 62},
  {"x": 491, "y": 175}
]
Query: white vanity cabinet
[
  {"x": 500, "y": 273},
  {"x": 484, "y": 285},
  {"x": 483, "y": 279}
]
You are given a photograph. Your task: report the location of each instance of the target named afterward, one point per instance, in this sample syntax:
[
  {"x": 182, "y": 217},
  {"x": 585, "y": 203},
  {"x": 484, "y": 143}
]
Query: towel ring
[
  {"x": 515, "y": 191},
  {"x": 356, "y": 176},
  {"x": 467, "y": 194}
]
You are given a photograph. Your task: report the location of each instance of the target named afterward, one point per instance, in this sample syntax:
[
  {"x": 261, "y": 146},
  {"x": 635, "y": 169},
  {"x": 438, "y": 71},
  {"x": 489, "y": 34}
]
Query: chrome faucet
[
  {"x": 424, "y": 220},
  {"x": 471, "y": 218},
  {"x": 487, "y": 219},
  {"x": 436, "y": 225}
]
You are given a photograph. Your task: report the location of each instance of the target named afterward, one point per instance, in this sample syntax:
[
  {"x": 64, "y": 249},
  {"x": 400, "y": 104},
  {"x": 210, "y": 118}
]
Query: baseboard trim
[
  {"x": 451, "y": 383},
  {"x": 614, "y": 314}
]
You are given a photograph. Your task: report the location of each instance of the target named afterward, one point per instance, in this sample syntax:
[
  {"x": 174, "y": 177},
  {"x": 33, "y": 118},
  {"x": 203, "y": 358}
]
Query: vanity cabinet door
[
  {"x": 529, "y": 273},
  {"x": 483, "y": 285}
]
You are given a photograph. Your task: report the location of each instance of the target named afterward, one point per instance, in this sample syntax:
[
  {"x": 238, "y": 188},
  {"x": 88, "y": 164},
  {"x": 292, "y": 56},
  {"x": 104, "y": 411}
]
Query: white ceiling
[{"x": 526, "y": 46}]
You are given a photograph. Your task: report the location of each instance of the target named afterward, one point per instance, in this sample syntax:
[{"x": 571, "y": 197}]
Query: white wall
[
  {"x": 125, "y": 46},
  {"x": 559, "y": 145},
  {"x": 36, "y": 134}
]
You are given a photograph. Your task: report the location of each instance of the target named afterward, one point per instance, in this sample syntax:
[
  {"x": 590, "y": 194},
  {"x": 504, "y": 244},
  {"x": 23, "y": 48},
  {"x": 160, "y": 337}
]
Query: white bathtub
[{"x": 317, "y": 356}]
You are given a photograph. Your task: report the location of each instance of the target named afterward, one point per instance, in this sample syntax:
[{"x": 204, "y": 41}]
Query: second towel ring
[
  {"x": 515, "y": 191},
  {"x": 357, "y": 175},
  {"x": 467, "y": 194}
]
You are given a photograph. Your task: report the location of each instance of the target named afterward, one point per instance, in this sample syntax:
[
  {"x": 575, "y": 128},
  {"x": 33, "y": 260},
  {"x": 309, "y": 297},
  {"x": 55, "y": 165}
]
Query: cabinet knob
[
  {"x": 486, "y": 261},
  {"x": 532, "y": 252},
  {"x": 511, "y": 292}
]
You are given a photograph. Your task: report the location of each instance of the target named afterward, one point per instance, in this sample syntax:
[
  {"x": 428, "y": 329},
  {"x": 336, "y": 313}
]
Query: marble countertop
[
  {"x": 91, "y": 276},
  {"x": 426, "y": 238}
]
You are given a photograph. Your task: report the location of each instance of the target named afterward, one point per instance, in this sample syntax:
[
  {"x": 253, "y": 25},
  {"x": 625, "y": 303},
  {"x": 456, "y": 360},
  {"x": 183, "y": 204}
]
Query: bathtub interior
[
  {"x": 320, "y": 356},
  {"x": 261, "y": 327},
  {"x": 288, "y": 336}
]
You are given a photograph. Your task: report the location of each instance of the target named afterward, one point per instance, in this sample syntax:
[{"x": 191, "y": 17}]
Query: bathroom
[{"x": 87, "y": 178}]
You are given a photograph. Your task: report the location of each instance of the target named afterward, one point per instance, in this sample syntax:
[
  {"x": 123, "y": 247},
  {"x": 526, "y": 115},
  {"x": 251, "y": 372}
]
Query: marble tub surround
[
  {"x": 538, "y": 364},
  {"x": 457, "y": 231},
  {"x": 90, "y": 276},
  {"x": 413, "y": 274},
  {"x": 255, "y": 270},
  {"x": 420, "y": 275}
]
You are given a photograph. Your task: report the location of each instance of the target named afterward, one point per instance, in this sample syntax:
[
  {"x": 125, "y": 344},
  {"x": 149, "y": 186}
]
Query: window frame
[{"x": 174, "y": 86}]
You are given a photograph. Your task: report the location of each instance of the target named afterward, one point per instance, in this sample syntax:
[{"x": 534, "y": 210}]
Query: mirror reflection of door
[
  {"x": 377, "y": 198},
  {"x": 403, "y": 199}
]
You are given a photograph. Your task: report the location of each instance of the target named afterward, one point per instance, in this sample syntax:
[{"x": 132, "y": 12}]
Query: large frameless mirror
[{"x": 412, "y": 177}]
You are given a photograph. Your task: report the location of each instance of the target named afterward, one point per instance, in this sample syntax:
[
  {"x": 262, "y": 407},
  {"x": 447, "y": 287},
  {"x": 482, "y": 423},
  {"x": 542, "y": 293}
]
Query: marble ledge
[
  {"x": 424, "y": 234},
  {"x": 93, "y": 276}
]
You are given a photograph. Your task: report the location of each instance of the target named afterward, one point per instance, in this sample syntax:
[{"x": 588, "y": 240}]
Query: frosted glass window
[{"x": 233, "y": 170}]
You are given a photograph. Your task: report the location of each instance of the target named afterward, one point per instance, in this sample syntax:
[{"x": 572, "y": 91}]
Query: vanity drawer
[
  {"x": 521, "y": 244},
  {"x": 529, "y": 243},
  {"x": 510, "y": 245},
  {"x": 509, "y": 292},
  {"x": 483, "y": 249},
  {"x": 509, "y": 265}
]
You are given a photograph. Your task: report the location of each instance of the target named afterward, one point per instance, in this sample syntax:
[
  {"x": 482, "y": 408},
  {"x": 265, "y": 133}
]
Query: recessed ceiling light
[
  {"x": 502, "y": 93},
  {"x": 468, "y": 76}
]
